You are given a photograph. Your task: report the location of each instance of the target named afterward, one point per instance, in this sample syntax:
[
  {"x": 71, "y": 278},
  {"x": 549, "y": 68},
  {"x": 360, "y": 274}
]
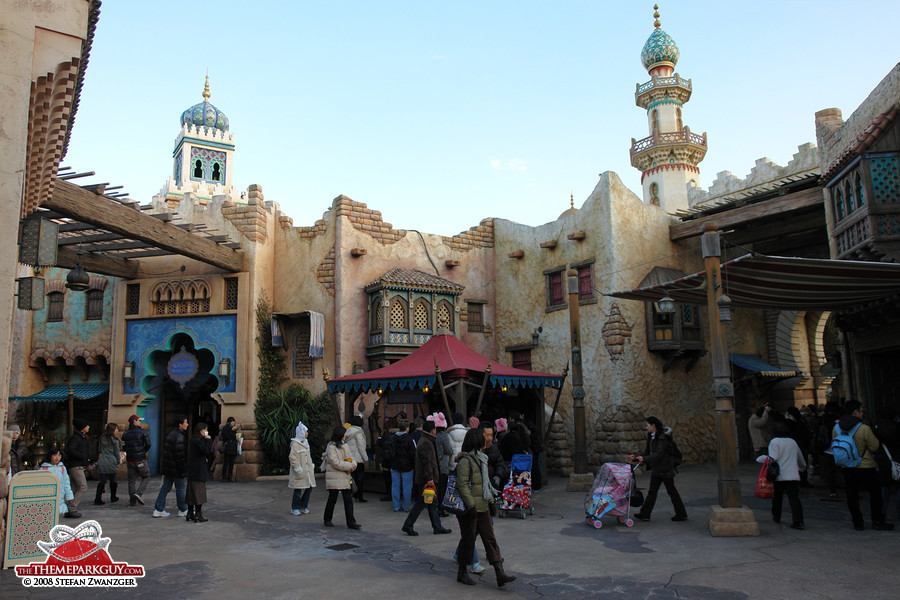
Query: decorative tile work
[
  {"x": 33, "y": 512},
  {"x": 885, "y": 179},
  {"x": 206, "y": 115},
  {"x": 660, "y": 47}
]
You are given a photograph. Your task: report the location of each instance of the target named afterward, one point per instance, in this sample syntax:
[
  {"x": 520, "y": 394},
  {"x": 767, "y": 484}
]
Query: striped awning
[
  {"x": 752, "y": 362},
  {"x": 755, "y": 281},
  {"x": 60, "y": 392}
]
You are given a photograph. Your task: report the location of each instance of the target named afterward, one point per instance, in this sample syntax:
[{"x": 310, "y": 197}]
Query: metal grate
[
  {"x": 231, "y": 293},
  {"x": 134, "y": 299}
]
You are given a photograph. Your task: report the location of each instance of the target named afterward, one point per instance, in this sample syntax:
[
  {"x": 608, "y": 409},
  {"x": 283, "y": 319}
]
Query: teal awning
[
  {"x": 60, "y": 392},
  {"x": 753, "y": 363}
]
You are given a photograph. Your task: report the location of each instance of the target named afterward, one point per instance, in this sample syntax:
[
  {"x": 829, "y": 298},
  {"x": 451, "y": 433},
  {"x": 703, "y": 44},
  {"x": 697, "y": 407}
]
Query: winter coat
[
  {"x": 338, "y": 465},
  {"x": 444, "y": 450},
  {"x": 456, "y": 433},
  {"x": 197, "y": 465},
  {"x": 516, "y": 441},
  {"x": 657, "y": 456},
  {"x": 18, "y": 456},
  {"x": 110, "y": 455},
  {"x": 866, "y": 442},
  {"x": 356, "y": 439},
  {"x": 759, "y": 430},
  {"x": 135, "y": 442},
  {"x": 404, "y": 453},
  {"x": 787, "y": 454},
  {"x": 174, "y": 458},
  {"x": 228, "y": 440},
  {"x": 65, "y": 488},
  {"x": 303, "y": 472},
  {"x": 469, "y": 483},
  {"x": 77, "y": 450},
  {"x": 428, "y": 468}
]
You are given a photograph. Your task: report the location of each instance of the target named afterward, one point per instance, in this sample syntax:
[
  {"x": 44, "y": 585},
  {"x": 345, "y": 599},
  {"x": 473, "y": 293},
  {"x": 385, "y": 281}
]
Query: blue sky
[{"x": 440, "y": 114}]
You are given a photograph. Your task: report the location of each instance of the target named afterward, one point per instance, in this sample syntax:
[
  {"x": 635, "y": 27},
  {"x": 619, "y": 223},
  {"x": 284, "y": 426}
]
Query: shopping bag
[
  {"x": 764, "y": 487},
  {"x": 451, "y": 502}
]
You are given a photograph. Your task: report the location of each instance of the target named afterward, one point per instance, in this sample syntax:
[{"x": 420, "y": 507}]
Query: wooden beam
[
  {"x": 780, "y": 228},
  {"x": 727, "y": 219},
  {"x": 75, "y": 240},
  {"x": 103, "y": 264},
  {"x": 82, "y": 205}
]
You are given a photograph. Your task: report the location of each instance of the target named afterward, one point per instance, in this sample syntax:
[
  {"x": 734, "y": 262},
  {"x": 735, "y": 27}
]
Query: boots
[
  {"x": 190, "y": 514},
  {"x": 113, "y": 486},
  {"x": 462, "y": 575},
  {"x": 199, "y": 518},
  {"x": 101, "y": 487},
  {"x": 502, "y": 577}
]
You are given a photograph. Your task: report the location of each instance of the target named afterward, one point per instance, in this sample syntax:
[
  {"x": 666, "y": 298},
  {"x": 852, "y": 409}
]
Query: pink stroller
[{"x": 610, "y": 495}]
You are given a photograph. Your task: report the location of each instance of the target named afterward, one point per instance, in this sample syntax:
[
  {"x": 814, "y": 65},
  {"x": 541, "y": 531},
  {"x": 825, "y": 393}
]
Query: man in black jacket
[
  {"x": 76, "y": 461},
  {"x": 136, "y": 442},
  {"x": 497, "y": 468},
  {"x": 403, "y": 461},
  {"x": 174, "y": 469},
  {"x": 427, "y": 472}
]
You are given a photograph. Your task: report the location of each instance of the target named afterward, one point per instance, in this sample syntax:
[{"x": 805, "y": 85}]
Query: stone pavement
[{"x": 252, "y": 547}]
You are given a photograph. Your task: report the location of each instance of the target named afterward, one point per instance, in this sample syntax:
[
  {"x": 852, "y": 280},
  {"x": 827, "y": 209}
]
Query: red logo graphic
[{"x": 78, "y": 558}]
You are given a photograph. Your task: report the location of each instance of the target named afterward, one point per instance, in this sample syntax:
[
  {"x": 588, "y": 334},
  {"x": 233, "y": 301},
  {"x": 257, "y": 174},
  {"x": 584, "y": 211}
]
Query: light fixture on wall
[
  {"x": 128, "y": 373},
  {"x": 665, "y": 305},
  {"x": 425, "y": 389},
  {"x": 379, "y": 390},
  {"x": 724, "y": 303},
  {"x": 224, "y": 371}
]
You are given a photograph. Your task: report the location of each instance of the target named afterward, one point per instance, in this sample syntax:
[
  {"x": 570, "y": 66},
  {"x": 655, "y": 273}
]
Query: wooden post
[
  {"x": 556, "y": 404},
  {"x": 440, "y": 380},
  {"x": 487, "y": 376},
  {"x": 581, "y": 462},
  {"x": 70, "y": 427},
  {"x": 723, "y": 389}
]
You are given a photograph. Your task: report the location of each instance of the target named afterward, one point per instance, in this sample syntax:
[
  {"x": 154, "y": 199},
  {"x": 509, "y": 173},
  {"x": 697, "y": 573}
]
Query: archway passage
[{"x": 169, "y": 399}]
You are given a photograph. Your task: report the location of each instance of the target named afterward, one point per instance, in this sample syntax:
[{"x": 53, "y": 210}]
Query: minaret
[{"x": 668, "y": 158}]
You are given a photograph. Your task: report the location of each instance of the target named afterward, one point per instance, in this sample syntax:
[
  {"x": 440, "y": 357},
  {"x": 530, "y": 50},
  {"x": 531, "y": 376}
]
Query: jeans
[
  {"x": 401, "y": 482},
  {"x": 792, "y": 488},
  {"x": 300, "y": 499},
  {"x": 180, "y": 487}
]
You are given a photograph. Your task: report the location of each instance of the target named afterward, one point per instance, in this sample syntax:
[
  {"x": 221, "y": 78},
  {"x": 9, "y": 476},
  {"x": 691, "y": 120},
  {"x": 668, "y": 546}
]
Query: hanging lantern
[
  {"x": 724, "y": 303},
  {"x": 78, "y": 279},
  {"x": 665, "y": 305}
]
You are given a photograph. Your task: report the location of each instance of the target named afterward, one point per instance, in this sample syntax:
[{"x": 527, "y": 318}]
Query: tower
[
  {"x": 668, "y": 158},
  {"x": 203, "y": 154}
]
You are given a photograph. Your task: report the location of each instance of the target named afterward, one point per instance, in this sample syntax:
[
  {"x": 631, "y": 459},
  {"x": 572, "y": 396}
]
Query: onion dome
[
  {"x": 205, "y": 114},
  {"x": 660, "y": 47}
]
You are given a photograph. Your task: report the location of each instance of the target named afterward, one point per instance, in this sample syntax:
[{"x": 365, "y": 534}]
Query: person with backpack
[
  {"x": 854, "y": 445},
  {"x": 661, "y": 457},
  {"x": 402, "y": 454}
]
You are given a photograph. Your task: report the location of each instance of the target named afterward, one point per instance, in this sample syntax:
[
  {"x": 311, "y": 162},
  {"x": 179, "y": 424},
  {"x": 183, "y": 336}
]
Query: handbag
[
  {"x": 895, "y": 466},
  {"x": 764, "y": 488},
  {"x": 451, "y": 501},
  {"x": 774, "y": 470},
  {"x": 637, "y": 498}
]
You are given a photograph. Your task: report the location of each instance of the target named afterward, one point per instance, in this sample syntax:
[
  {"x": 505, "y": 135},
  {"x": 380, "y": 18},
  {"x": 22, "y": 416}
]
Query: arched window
[
  {"x": 444, "y": 318},
  {"x": 850, "y": 206},
  {"x": 377, "y": 315},
  {"x": 198, "y": 169},
  {"x": 216, "y": 172},
  {"x": 654, "y": 194},
  {"x": 398, "y": 314},
  {"x": 678, "y": 122},
  {"x": 422, "y": 316},
  {"x": 654, "y": 123},
  {"x": 838, "y": 203}
]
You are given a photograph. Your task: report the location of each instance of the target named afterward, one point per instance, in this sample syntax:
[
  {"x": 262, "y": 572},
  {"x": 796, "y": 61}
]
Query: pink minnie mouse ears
[
  {"x": 438, "y": 419},
  {"x": 501, "y": 424}
]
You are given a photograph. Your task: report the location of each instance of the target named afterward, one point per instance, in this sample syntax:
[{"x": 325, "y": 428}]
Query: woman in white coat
[
  {"x": 356, "y": 441},
  {"x": 339, "y": 464},
  {"x": 790, "y": 460},
  {"x": 303, "y": 475}
]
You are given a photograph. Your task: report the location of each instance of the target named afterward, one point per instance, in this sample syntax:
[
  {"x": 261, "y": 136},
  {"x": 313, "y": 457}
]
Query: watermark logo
[{"x": 78, "y": 558}]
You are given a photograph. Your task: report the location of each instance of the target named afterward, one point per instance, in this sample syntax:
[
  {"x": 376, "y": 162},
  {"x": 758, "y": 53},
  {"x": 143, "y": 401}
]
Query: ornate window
[
  {"x": 56, "y": 303},
  {"x": 673, "y": 334},
  {"x": 398, "y": 314},
  {"x": 231, "y": 293},
  {"x": 216, "y": 172},
  {"x": 444, "y": 318},
  {"x": 198, "y": 169},
  {"x": 376, "y": 315},
  {"x": 422, "y": 316},
  {"x": 849, "y": 190},
  {"x": 133, "y": 299},
  {"x": 180, "y": 297},
  {"x": 475, "y": 317},
  {"x": 860, "y": 194}
]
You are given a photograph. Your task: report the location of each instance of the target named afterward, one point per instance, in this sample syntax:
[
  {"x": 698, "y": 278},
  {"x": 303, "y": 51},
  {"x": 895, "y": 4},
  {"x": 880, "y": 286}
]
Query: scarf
[{"x": 487, "y": 490}]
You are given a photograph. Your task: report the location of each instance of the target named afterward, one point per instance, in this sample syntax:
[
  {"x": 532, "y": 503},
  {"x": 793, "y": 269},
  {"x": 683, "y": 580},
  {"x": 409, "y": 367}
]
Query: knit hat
[
  {"x": 474, "y": 422},
  {"x": 438, "y": 419},
  {"x": 134, "y": 419},
  {"x": 300, "y": 432},
  {"x": 79, "y": 424},
  {"x": 14, "y": 429},
  {"x": 501, "y": 424}
]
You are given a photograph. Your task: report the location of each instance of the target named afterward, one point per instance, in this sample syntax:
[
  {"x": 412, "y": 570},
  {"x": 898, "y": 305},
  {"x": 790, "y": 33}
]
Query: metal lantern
[
  {"x": 665, "y": 305},
  {"x": 31, "y": 293},
  {"x": 724, "y": 303},
  {"x": 224, "y": 371},
  {"x": 39, "y": 242},
  {"x": 78, "y": 279}
]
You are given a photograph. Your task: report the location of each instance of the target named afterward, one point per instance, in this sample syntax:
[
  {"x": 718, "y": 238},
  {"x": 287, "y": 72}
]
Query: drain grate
[{"x": 342, "y": 547}]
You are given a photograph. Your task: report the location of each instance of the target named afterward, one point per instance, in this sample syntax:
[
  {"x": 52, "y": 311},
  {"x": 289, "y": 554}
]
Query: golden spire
[
  {"x": 571, "y": 200},
  {"x": 656, "y": 22},
  {"x": 206, "y": 93}
]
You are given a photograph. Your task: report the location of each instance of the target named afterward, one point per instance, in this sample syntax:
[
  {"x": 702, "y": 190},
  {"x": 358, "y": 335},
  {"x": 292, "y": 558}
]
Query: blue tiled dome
[
  {"x": 204, "y": 114},
  {"x": 660, "y": 47}
]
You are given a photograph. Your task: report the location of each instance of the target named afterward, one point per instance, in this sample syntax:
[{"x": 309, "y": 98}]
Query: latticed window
[
  {"x": 398, "y": 314},
  {"x": 443, "y": 316},
  {"x": 133, "y": 299},
  {"x": 94, "y": 305},
  {"x": 231, "y": 293},
  {"x": 475, "y": 316},
  {"x": 377, "y": 315},
  {"x": 181, "y": 297},
  {"x": 421, "y": 317},
  {"x": 56, "y": 302}
]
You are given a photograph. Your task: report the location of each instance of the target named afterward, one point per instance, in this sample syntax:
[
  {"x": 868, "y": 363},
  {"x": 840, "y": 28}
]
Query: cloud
[{"x": 513, "y": 164}]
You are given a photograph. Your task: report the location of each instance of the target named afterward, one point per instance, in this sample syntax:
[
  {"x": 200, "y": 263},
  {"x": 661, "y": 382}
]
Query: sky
[{"x": 440, "y": 114}]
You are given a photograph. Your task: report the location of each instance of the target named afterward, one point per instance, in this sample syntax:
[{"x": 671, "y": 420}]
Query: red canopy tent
[{"x": 453, "y": 358}]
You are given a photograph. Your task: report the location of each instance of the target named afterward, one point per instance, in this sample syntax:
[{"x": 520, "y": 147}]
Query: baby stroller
[
  {"x": 611, "y": 495},
  {"x": 516, "y": 496}
]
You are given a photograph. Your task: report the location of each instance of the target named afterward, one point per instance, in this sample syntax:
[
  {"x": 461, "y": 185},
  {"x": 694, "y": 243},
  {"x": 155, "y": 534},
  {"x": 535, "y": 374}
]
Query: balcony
[
  {"x": 675, "y": 138},
  {"x": 682, "y": 87}
]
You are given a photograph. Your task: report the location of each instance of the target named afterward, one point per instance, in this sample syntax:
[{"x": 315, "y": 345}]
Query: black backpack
[{"x": 675, "y": 452}]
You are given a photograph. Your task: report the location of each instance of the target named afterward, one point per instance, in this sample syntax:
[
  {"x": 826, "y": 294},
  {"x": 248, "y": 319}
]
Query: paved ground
[{"x": 253, "y": 548}]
